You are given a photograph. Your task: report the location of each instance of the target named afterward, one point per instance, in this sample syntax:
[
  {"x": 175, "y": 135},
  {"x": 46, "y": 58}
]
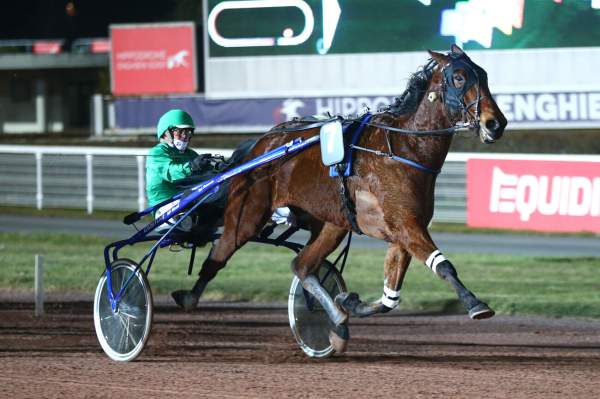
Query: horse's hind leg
[
  {"x": 396, "y": 264},
  {"x": 246, "y": 213},
  {"x": 305, "y": 267},
  {"x": 423, "y": 248}
]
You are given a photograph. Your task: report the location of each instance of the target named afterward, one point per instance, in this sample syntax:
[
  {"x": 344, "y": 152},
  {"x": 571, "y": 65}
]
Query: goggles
[{"x": 178, "y": 131}]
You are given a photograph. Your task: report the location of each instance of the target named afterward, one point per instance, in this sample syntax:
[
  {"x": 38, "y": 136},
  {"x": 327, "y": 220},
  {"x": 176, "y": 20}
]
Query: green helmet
[{"x": 174, "y": 118}]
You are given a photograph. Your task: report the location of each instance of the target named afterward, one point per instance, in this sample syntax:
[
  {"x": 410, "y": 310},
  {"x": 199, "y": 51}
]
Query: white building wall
[{"x": 509, "y": 71}]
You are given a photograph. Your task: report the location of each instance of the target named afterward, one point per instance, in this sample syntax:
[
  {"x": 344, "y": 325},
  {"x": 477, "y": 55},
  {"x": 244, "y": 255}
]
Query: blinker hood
[{"x": 453, "y": 97}]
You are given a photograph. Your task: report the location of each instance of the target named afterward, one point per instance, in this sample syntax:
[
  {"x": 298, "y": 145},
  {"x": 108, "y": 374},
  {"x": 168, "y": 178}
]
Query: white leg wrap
[
  {"x": 390, "y": 298},
  {"x": 389, "y": 292},
  {"x": 435, "y": 259}
]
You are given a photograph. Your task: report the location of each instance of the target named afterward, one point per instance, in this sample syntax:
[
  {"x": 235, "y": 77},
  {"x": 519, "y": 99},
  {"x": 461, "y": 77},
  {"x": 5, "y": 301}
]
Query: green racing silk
[{"x": 165, "y": 165}]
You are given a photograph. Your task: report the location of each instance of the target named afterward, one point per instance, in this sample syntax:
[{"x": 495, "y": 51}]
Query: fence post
[
  {"x": 97, "y": 115},
  {"x": 39, "y": 285},
  {"x": 39, "y": 187},
  {"x": 41, "y": 113},
  {"x": 112, "y": 117},
  {"x": 141, "y": 185},
  {"x": 90, "y": 183}
]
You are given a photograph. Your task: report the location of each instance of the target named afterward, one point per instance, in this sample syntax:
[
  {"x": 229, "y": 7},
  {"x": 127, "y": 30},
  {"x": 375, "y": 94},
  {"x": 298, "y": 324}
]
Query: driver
[{"x": 171, "y": 161}]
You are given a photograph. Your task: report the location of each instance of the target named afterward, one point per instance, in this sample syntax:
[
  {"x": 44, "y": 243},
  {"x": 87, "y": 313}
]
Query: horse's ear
[
  {"x": 439, "y": 57},
  {"x": 456, "y": 50}
]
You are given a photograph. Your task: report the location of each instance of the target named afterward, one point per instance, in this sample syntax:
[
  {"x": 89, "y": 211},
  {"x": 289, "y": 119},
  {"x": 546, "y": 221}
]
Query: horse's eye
[{"x": 459, "y": 80}]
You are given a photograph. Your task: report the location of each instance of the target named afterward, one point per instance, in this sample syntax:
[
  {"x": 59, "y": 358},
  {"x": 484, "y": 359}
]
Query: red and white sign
[
  {"x": 100, "y": 46},
  {"x": 558, "y": 196},
  {"x": 153, "y": 59},
  {"x": 47, "y": 47}
]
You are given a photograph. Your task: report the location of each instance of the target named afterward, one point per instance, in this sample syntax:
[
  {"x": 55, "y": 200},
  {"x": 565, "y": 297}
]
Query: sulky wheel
[
  {"x": 123, "y": 334},
  {"x": 308, "y": 320}
]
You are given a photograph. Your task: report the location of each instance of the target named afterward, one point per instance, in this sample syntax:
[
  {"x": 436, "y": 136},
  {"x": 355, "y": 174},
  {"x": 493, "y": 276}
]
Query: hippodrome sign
[
  {"x": 153, "y": 59},
  {"x": 543, "y": 195}
]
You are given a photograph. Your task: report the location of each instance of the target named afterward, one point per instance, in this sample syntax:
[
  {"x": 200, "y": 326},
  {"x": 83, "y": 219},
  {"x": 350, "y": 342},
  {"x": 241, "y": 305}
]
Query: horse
[{"x": 389, "y": 195}]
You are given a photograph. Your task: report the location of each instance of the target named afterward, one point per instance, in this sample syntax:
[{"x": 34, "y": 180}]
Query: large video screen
[{"x": 304, "y": 27}]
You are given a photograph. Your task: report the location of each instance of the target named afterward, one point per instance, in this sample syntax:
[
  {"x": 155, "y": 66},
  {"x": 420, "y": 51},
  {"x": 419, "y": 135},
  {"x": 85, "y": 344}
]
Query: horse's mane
[
  {"x": 417, "y": 84},
  {"x": 404, "y": 104}
]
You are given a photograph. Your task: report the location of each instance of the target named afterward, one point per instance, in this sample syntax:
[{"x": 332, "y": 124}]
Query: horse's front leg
[
  {"x": 421, "y": 246},
  {"x": 396, "y": 264}
]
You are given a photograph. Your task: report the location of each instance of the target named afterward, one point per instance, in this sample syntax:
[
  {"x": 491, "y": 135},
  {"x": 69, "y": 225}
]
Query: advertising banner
[
  {"x": 153, "y": 59},
  {"x": 542, "y": 195},
  {"x": 567, "y": 110},
  {"x": 238, "y": 115}
]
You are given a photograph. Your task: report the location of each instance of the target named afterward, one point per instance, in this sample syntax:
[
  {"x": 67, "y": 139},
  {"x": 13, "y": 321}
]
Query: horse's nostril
[{"x": 492, "y": 125}]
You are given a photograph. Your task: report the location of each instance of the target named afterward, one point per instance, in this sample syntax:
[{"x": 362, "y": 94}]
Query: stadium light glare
[{"x": 476, "y": 19}]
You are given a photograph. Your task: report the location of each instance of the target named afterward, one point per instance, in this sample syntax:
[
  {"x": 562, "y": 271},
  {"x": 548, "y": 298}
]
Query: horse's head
[{"x": 466, "y": 94}]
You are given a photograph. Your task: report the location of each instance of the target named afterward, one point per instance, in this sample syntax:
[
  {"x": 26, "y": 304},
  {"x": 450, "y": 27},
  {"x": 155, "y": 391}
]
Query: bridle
[{"x": 453, "y": 99}]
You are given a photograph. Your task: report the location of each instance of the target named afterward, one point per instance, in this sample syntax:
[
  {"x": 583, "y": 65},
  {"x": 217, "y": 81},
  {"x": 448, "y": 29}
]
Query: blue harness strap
[
  {"x": 416, "y": 165},
  {"x": 347, "y": 167}
]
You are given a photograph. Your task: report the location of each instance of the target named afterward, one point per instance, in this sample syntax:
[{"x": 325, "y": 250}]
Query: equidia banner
[
  {"x": 542, "y": 195},
  {"x": 153, "y": 59}
]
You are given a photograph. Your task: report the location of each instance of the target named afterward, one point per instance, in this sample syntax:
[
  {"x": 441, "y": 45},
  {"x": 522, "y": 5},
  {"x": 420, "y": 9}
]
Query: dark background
[{"x": 49, "y": 19}]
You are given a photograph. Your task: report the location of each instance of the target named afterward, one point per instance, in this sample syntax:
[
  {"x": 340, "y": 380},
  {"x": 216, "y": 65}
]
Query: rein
[
  {"x": 405, "y": 161},
  {"x": 308, "y": 124},
  {"x": 390, "y": 154},
  {"x": 364, "y": 121},
  {"x": 449, "y": 131}
]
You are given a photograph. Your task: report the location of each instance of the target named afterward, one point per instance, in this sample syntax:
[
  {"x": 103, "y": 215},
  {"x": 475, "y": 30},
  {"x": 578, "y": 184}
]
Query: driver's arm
[{"x": 170, "y": 168}]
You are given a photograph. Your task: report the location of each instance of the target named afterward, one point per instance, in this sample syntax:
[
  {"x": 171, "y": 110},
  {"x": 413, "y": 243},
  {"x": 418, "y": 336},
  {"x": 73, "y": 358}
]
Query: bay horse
[{"x": 386, "y": 199}]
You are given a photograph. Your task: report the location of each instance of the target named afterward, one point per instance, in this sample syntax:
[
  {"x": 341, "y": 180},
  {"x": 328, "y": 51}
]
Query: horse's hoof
[
  {"x": 338, "y": 338},
  {"x": 347, "y": 302},
  {"x": 187, "y": 300},
  {"x": 481, "y": 311}
]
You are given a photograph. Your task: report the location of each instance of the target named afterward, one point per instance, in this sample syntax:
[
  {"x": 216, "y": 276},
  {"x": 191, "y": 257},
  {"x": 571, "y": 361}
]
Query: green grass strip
[{"x": 547, "y": 286}]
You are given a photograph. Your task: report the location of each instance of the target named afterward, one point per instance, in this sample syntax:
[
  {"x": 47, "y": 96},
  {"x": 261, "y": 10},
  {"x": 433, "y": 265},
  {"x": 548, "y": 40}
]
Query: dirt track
[{"x": 233, "y": 351}]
